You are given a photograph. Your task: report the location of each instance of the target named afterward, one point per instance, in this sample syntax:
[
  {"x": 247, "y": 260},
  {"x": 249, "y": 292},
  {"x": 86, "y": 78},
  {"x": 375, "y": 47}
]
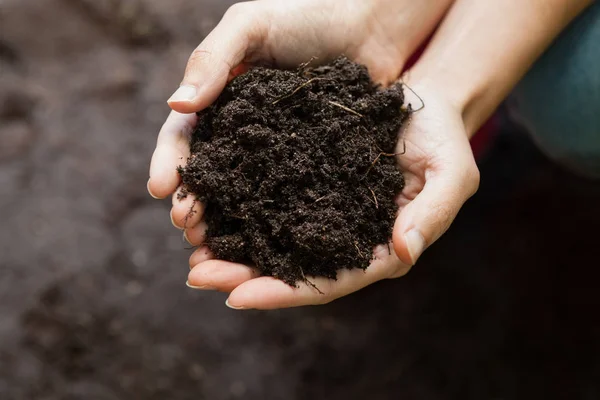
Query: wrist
[
  {"x": 474, "y": 61},
  {"x": 438, "y": 87}
]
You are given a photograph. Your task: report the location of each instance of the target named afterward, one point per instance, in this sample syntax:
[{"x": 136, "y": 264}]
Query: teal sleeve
[{"x": 558, "y": 101}]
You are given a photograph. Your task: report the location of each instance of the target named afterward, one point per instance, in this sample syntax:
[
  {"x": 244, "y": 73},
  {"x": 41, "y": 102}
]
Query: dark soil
[{"x": 296, "y": 169}]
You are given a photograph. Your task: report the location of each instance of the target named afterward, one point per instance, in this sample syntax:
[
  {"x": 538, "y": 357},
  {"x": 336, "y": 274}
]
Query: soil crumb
[{"x": 297, "y": 169}]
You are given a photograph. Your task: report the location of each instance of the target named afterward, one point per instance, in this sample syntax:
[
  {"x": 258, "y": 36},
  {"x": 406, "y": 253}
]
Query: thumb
[
  {"x": 422, "y": 221},
  {"x": 239, "y": 33}
]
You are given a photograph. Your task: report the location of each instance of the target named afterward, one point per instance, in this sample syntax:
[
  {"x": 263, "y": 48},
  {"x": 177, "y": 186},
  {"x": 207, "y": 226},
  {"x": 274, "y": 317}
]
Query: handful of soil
[{"x": 296, "y": 169}]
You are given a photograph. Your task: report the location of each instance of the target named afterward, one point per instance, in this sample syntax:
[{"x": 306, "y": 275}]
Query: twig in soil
[
  {"x": 309, "y": 282},
  {"x": 357, "y": 249},
  {"x": 374, "y": 161},
  {"x": 395, "y": 154},
  {"x": 323, "y": 197},
  {"x": 343, "y": 107},
  {"x": 308, "y": 82},
  {"x": 409, "y": 108},
  {"x": 375, "y": 197},
  {"x": 369, "y": 198},
  {"x": 303, "y": 66},
  {"x": 387, "y": 155}
]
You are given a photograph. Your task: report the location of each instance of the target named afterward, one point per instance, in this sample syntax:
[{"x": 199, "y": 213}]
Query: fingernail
[
  {"x": 184, "y": 93},
  {"x": 415, "y": 243},
  {"x": 203, "y": 287},
  {"x": 233, "y": 307},
  {"x": 148, "y": 188}
]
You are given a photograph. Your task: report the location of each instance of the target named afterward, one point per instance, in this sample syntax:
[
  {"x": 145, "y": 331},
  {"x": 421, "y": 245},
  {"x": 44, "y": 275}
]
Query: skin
[{"x": 471, "y": 64}]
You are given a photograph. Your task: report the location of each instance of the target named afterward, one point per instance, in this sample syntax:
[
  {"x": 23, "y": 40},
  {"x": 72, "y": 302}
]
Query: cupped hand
[{"x": 438, "y": 164}]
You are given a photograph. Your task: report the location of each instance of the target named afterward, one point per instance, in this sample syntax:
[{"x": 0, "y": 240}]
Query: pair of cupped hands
[{"x": 438, "y": 163}]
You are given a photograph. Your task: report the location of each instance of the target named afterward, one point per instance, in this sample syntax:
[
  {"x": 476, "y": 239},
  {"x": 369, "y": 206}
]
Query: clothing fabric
[{"x": 558, "y": 101}]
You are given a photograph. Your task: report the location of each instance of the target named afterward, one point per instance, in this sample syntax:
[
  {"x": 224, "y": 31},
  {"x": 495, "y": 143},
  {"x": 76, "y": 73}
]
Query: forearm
[
  {"x": 409, "y": 22},
  {"x": 483, "y": 48}
]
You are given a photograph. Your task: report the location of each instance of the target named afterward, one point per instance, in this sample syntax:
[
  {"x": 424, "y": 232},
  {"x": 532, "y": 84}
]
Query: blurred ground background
[{"x": 93, "y": 302}]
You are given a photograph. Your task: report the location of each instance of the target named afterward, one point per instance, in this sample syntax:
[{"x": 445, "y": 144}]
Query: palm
[{"x": 433, "y": 139}]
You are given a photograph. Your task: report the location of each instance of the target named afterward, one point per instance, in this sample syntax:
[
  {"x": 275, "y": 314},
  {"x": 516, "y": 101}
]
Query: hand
[{"x": 439, "y": 167}]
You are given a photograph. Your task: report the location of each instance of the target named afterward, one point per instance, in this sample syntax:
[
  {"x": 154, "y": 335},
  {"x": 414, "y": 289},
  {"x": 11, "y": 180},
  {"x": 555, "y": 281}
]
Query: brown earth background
[{"x": 93, "y": 302}]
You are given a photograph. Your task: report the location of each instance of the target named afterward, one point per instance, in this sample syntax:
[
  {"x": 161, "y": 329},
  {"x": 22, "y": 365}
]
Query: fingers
[
  {"x": 216, "y": 60},
  {"x": 237, "y": 36},
  {"x": 220, "y": 275},
  {"x": 197, "y": 234},
  {"x": 200, "y": 255},
  {"x": 172, "y": 150},
  {"x": 269, "y": 293},
  {"x": 187, "y": 212},
  {"x": 422, "y": 221}
]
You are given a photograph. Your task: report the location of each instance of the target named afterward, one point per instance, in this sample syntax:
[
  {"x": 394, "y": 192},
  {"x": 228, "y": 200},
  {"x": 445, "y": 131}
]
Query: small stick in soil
[
  {"x": 409, "y": 108},
  {"x": 395, "y": 154},
  {"x": 308, "y": 82},
  {"x": 375, "y": 197},
  {"x": 309, "y": 282},
  {"x": 369, "y": 198},
  {"x": 304, "y": 65},
  {"x": 373, "y": 163},
  {"x": 357, "y": 249},
  {"x": 387, "y": 155},
  {"x": 343, "y": 107},
  {"x": 322, "y": 197}
]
